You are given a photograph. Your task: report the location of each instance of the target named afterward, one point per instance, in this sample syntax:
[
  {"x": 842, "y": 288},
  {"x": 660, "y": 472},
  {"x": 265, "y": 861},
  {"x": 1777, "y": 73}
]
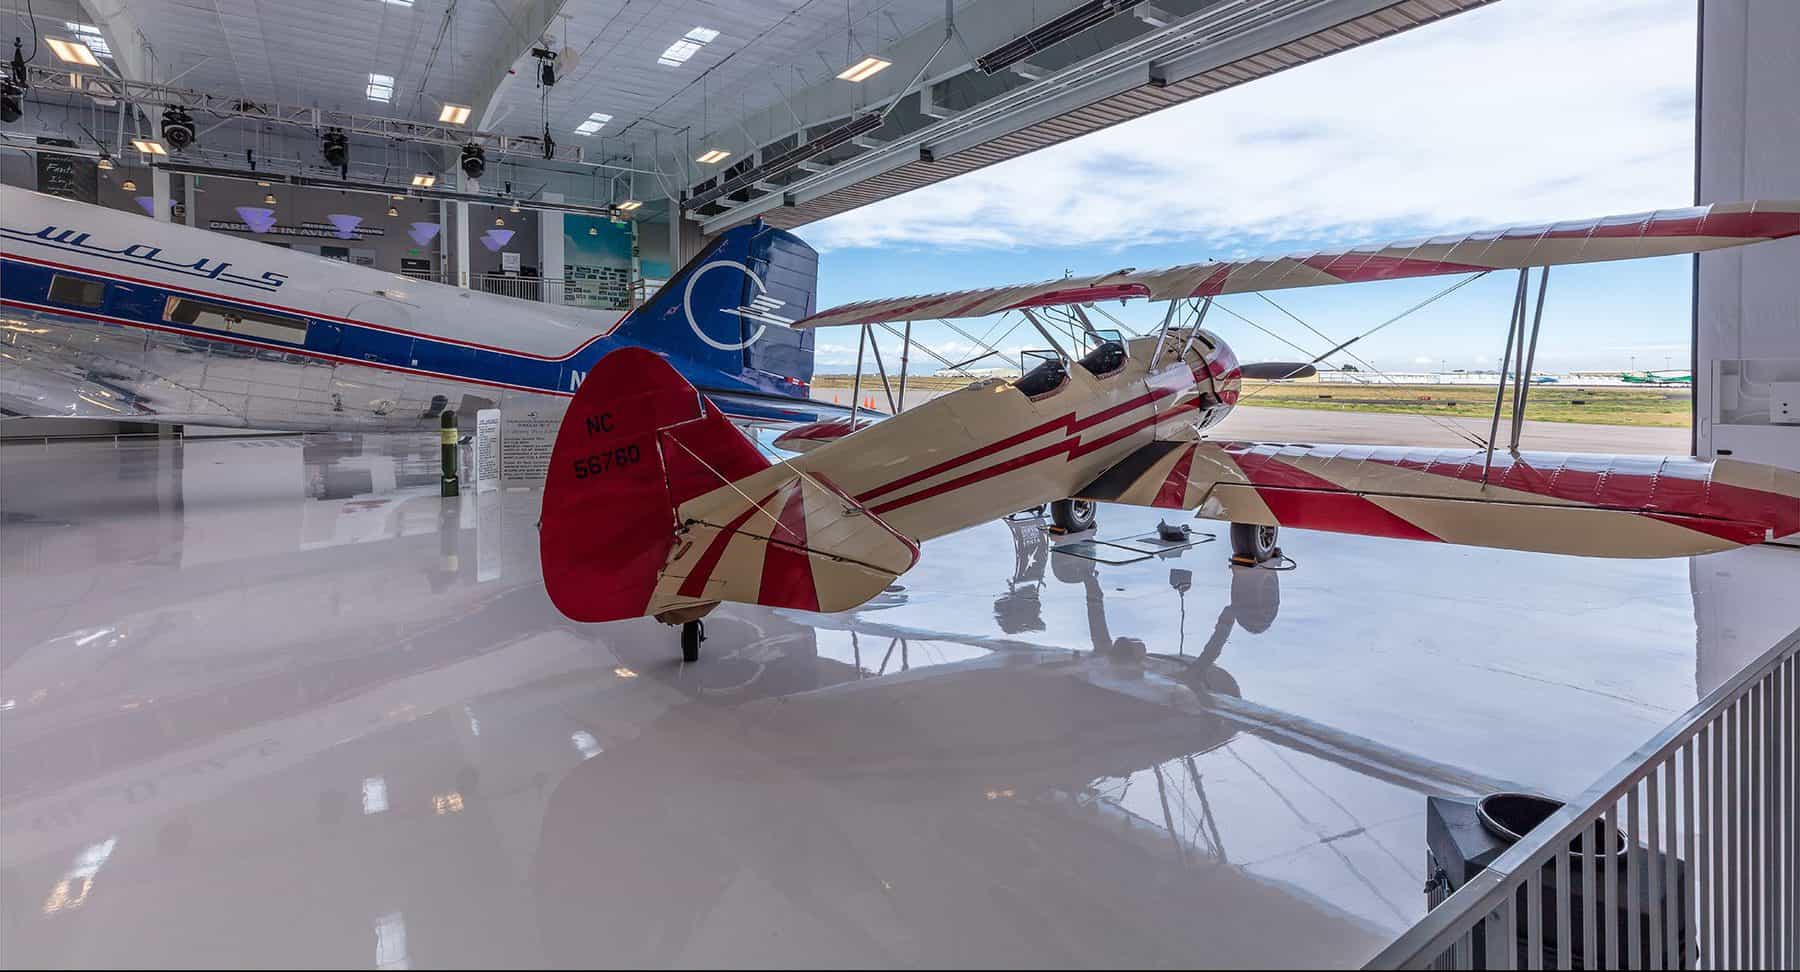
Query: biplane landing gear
[
  {"x": 1253, "y": 544},
  {"x": 1072, "y": 515},
  {"x": 692, "y": 633}
]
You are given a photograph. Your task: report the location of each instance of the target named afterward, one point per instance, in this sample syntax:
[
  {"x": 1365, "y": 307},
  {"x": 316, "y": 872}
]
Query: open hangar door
[{"x": 1747, "y": 302}]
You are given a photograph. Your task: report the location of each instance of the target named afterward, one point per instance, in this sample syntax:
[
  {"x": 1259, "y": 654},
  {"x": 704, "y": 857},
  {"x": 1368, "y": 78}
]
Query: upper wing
[
  {"x": 1582, "y": 241},
  {"x": 1590, "y": 505}
]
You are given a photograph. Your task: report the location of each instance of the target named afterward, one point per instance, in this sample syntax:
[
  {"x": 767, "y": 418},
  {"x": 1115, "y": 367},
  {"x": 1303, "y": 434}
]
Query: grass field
[{"x": 1602, "y": 405}]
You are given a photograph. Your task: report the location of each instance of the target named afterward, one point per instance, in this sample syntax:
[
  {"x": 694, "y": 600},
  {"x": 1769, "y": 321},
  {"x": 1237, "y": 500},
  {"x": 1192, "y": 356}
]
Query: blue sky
[{"x": 1521, "y": 112}]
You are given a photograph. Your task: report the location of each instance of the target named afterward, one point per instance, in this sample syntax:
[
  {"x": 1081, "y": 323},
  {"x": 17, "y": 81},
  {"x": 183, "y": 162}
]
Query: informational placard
[
  {"x": 487, "y": 450},
  {"x": 509, "y": 262},
  {"x": 68, "y": 176},
  {"x": 526, "y": 439}
]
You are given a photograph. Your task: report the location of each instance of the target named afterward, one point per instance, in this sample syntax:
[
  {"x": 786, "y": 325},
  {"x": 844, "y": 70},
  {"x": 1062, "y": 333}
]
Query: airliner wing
[
  {"x": 1660, "y": 233},
  {"x": 1587, "y": 505}
]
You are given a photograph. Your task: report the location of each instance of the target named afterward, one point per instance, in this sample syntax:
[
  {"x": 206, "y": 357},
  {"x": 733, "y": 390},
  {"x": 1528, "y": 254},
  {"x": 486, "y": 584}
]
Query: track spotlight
[
  {"x": 12, "y": 101},
  {"x": 515, "y": 207},
  {"x": 177, "y": 127},
  {"x": 474, "y": 160},
  {"x": 335, "y": 146}
]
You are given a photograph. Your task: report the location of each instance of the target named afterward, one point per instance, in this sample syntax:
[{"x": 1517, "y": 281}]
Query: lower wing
[{"x": 1588, "y": 505}]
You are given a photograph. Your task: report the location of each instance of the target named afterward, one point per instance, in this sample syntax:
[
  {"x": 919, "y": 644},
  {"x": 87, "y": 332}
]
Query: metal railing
[
  {"x": 1705, "y": 876},
  {"x": 550, "y": 291}
]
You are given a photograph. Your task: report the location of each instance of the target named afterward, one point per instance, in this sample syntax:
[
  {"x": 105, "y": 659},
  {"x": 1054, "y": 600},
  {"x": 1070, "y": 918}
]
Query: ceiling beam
[{"x": 527, "y": 24}]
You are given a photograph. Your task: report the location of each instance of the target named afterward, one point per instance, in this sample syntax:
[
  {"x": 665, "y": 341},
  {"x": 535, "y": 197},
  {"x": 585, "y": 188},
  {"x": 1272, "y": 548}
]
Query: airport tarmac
[{"x": 274, "y": 702}]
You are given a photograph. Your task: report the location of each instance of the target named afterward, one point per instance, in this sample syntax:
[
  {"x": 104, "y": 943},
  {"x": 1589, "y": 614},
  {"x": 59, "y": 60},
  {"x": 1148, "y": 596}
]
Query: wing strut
[{"x": 1521, "y": 361}]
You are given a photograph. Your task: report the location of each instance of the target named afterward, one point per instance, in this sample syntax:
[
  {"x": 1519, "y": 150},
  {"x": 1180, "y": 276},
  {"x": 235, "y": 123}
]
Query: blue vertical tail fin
[{"x": 722, "y": 318}]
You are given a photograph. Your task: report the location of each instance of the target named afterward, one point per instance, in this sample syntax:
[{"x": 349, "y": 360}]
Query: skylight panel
[
  {"x": 90, "y": 35},
  {"x": 381, "y": 87},
  {"x": 594, "y": 123},
  {"x": 677, "y": 54}
]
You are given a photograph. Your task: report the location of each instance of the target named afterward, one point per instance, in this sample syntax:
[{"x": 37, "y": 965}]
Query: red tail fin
[{"x": 636, "y": 443}]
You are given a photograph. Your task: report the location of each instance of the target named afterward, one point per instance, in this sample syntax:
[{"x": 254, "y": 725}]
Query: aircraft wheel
[
  {"x": 1072, "y": 515},
  {"x": 1254, "y": 541},
  {"x": 692, "y": 633}
]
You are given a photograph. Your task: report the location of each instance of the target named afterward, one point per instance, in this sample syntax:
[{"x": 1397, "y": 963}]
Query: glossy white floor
[{"x": 272, "y": 702}]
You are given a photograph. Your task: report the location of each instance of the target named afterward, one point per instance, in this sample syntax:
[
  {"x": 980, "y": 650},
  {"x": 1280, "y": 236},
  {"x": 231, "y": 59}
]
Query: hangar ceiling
[{"x": 670, "y": 80}]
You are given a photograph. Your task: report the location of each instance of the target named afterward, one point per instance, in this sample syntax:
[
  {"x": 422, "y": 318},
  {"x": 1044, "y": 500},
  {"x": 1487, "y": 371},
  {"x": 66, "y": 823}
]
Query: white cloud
[{"x": 1518, "y": 112}]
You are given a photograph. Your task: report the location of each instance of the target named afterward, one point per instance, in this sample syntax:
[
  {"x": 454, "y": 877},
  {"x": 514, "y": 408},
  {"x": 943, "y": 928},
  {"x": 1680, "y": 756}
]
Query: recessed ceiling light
[
  {"x": 864, "y": 69},
  {"x": 676, "y": 54},
  {"x": 454, "y": 115},
  {"x": 148, "y": 147},
  {"x": 711, "y": 156},
  {"x": 72, "y": 51},
  {"x": 629, "y": 205},
  {"x": 381, "y": 87},
  {"x": 594, "y": 123},
  {"x": 424, "y": 180}
]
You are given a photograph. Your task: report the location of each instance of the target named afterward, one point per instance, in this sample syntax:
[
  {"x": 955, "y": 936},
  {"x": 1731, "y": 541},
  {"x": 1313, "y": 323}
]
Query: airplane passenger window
[
  {"x": 77, "y": 292},
  {"x": 1105, "y": 359},
  {"x": 236, "y": 320}
]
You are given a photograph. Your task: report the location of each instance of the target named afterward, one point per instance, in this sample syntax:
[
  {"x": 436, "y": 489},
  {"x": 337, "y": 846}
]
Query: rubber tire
[
  {"x": 1254, "y": 541},
  {"x": 692, "y": 633},
  {"x": 1073, "y": 516}
]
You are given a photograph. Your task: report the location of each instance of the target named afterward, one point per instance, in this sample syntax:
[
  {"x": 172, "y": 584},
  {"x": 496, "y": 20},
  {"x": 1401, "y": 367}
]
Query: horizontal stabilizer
[{"x": 1589, "y": 505}]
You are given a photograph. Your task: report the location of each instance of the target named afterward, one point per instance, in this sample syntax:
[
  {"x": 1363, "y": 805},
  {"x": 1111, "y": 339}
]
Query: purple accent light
[
  {"x": 149, "y": 204},
  {"x": 494, "y": 239},
  {"x": 259, "y": 220},
  {"x": 346, "y": 225},
  {"x": 423, "y": 233}
]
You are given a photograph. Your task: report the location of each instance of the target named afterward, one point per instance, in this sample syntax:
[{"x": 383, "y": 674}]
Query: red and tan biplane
[{"x": 657, "y": 505}]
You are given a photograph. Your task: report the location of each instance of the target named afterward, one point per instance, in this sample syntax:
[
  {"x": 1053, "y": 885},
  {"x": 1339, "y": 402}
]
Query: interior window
[
  {"x": 236, "y": 320},
  {"x": 76, "y": 291},
  {"x": 1105, "y": 359}
]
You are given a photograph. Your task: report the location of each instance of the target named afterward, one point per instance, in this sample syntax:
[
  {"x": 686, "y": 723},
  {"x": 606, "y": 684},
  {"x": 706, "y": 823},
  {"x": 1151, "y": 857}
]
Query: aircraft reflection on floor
[{"x": 236, "y": 666}]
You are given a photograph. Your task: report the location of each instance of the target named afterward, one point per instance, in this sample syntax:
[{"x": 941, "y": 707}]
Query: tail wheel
[
  {"x": 1072, "y": 515},
  {"x": 692, "y": 633},
  {"x": 1254, "y": 541}
]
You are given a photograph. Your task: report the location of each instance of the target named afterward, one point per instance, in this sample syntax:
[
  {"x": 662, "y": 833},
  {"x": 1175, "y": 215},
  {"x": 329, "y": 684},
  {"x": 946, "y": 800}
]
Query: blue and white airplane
[{"x": 108, "y": 314}]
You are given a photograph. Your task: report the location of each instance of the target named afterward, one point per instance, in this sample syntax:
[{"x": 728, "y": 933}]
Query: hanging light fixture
[
  {"x": 393, "y": 211},
  {"x": 105, "y": 164},
  {"x": 593, "y": 231},
  {"x": 128, "y": 185},
  {"x": 269, "y": 200},
  {"x": 515, "y": 207},
  {"x": 498, "y": 221}
]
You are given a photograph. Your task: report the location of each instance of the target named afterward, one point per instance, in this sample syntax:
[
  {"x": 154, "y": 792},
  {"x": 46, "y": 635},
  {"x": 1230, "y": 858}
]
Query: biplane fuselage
[{"x": 998, "y": 446}]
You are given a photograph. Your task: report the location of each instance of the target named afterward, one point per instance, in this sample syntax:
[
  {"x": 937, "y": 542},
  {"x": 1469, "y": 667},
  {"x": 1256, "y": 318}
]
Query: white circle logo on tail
[{"x": 761, "y": 308}]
